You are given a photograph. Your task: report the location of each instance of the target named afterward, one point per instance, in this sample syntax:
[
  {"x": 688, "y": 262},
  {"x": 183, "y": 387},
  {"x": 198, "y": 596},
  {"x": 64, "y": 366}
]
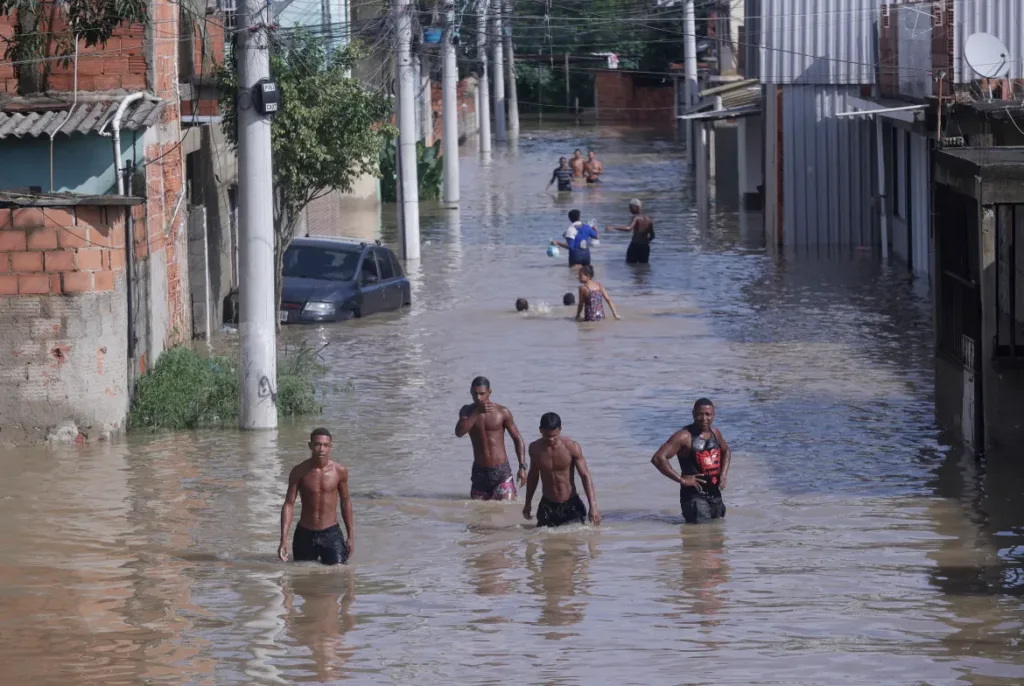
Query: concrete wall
[
  {"x": 350, "y": 215},
  {"x": 63, "y": 321},
  {"x": 81, "y": 163}
]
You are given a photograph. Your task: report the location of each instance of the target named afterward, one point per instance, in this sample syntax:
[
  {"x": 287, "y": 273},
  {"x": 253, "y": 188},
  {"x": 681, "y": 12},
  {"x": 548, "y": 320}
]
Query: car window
[
  {"x": 396, "y": 264},
  {"x": 369, "y": 267},
  {"x": 387, "y": 270},
  {"x": 316, "y": 262}
]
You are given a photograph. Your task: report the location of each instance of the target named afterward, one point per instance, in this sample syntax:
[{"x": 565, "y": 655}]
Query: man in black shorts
[
  {"x": 554, "y": 459},
  {"x": 642, "y": 228},
  {"x": 321, "y": 483},
  {"x": 563, "y": 175},
  {"x": 704, "y": 459}
]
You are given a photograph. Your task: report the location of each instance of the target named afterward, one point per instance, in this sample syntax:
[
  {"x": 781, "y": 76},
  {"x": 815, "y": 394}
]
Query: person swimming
[
  {"x": 592, "y": 297},
  {"x": 568, "y": 299},
  {"x": 522, "y": 305}
]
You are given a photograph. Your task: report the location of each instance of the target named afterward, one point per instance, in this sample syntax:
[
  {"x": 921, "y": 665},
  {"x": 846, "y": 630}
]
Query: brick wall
[
  {"x": 120, "y": 64},
  {"x": 63, "y": 320},
  {"x": 465, "y": 96},
  {"x": 621, "y": 99}
]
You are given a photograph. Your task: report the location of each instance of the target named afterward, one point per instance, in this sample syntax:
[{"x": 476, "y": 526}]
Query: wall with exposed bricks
[
  {"x": 63, "y": 283},
  {"x": 621, "y": 99},
  {"x": 63, "y": 320}
]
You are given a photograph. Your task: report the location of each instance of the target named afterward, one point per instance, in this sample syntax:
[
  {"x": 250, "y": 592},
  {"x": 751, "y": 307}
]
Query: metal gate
[{"x": 958, "y": 318}]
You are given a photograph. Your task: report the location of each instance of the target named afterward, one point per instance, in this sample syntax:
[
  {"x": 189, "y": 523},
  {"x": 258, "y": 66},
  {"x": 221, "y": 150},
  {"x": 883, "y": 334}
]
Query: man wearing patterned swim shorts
[{"x": 486, "y": 423}]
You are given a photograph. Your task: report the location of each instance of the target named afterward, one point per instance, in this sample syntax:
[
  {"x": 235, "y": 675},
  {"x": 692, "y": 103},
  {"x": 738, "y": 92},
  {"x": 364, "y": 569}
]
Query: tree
[
  {"x": 328, "y": 131},
  {"x": 53, "y": 29}
]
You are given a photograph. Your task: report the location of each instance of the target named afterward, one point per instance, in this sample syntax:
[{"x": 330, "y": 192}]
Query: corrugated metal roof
[
  {"x": 86, "y": 117},
  {"x": 1004, "y": 19},
  {"x": 819, "y": 42}
]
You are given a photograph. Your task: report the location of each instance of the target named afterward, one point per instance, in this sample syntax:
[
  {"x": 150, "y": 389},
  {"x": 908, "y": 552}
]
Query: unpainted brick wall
[
  {"x": 621, "y": 100},
  {"x": 464, "y": 95},
  {"x": 63, "y": 320}
]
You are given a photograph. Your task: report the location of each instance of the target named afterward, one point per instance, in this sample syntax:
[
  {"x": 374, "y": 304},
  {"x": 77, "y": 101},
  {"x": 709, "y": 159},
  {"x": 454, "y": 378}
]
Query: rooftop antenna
[{"x": 987, "y": 56}]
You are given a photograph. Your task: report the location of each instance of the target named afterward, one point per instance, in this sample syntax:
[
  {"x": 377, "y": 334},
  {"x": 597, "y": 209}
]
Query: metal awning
[{"x": 726, "y": 113}]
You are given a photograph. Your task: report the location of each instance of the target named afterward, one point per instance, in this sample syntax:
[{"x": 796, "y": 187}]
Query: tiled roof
[{"x": 29, "y": 118}]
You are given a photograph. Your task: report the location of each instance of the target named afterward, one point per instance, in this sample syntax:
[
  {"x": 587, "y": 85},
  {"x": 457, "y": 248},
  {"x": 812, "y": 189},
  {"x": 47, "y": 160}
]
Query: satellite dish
[{"x": 987, "y": 55}]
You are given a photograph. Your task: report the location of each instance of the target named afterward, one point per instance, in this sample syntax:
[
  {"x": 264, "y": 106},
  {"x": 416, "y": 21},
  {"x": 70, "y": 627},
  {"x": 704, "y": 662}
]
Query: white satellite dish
[{"x": 987, "y": 56}]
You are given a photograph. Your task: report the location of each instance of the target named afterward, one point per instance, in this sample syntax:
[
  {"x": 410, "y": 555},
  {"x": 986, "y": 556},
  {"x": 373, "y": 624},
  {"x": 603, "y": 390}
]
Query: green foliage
[
  {"x": 50, "y": 30},
  {"x": 327, "y": 133},
  {"x": 429, "y": 170},
  {"x": 187, "y": 391}
]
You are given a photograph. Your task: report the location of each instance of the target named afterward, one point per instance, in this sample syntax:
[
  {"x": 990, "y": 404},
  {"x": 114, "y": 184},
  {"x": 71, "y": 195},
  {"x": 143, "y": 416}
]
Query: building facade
[{"x": 94, "y": 283}]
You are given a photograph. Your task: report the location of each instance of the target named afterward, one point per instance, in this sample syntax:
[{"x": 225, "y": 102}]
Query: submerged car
[{"x": 332, "y": 279}]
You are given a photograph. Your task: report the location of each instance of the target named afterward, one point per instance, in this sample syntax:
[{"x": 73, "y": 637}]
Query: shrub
[{"x": 187, "y": 391}]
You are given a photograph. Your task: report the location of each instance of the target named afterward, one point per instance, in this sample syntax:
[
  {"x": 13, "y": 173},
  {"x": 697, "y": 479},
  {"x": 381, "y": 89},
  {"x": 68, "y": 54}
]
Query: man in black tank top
[{"x": 704, "y": 458}]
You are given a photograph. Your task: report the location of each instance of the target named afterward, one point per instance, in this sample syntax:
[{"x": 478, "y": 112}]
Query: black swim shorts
[
  {"x": 700, "y": 508},
  {"x": 572, "y": 511},
  {"x": 327, "y": 545},
  {"x": 638, "y": 253}
]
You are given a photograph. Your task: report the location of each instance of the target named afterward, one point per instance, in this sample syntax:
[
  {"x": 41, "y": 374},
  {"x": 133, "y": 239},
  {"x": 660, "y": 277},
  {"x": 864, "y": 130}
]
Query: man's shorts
[
  {"x": 572, "y": 511},
  {"x": 327, "y": 545}
]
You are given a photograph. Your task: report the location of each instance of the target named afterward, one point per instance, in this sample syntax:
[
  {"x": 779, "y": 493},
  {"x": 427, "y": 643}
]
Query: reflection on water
[{"x": 859, "y": 547}]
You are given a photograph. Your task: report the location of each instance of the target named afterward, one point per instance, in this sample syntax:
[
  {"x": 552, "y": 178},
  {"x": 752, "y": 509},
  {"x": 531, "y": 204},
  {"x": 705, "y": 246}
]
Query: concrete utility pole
[
  {"x": 499, "y": 76},
  {"x": 449, "y": 107},
  {"x": 410, "y": 197},
  {"x": 426, "y": 101},
  {"x": 484, "y": 113},
  {"x": 257, "y": 295},
  {"x": 690, "y": 57},
  {"x": 510, "y": 67}
]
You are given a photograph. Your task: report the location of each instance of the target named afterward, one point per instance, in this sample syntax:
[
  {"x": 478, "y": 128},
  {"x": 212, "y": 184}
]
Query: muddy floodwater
[{"x": 859, "y": 546}]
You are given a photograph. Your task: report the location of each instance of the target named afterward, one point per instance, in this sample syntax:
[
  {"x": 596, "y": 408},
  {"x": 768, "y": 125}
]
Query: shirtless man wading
[
  {"x": 642, "y": 228},
  {"x": 320, "y": 482},
  {"x": 577, "y": 163},
  {"x": 554, "y": 459},
  {"x": 486, "y": 424}
]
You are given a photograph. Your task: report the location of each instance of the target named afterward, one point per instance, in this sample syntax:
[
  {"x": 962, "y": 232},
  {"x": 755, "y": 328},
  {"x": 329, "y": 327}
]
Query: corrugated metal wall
[
  {"x": 819, "y": 42},
  {"x": 1002, "y": 18},
  {"x": 827, "y": 169}
]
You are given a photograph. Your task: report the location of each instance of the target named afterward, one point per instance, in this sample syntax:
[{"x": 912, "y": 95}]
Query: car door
[
  {"x": 371, "y": 290},
  {"x": 402, "y": 286},
  {"x": 389, "y": 281}
]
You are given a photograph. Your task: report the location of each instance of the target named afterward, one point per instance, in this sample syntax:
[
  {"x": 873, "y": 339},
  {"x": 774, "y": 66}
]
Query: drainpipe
[{"x": 115, "y": 127}]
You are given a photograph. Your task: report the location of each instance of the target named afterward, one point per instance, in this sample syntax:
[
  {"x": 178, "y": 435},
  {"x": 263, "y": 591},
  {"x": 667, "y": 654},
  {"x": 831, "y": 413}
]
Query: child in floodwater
[{"x": 592, "y": 297}]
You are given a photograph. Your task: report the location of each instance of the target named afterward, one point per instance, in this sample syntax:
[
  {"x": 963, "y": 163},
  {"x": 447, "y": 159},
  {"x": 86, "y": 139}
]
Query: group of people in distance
[
  {"x": 554, "y": 459},
  {"x": 577, "y": 169}
]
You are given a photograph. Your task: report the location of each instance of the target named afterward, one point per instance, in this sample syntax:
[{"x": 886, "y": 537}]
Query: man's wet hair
[
  {"x": 568, "y": 299},
  {"x": 481, "y": 382},
  {"x": 522, "y": 305},
  {"x": 703, "y": 402},
  {"x": 574, "y": 215},
  {"x": 321, "y": 431},
  {"x": 577, "y": 150},
  {"x": 588, "y": 269},
  {"x": 550, "y": 421}
]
